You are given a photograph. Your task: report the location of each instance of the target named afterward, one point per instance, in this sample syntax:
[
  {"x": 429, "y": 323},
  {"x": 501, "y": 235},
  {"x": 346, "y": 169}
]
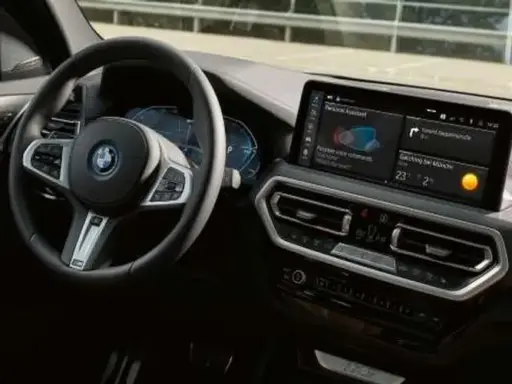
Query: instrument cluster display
[{"x": 242, "y": 148}]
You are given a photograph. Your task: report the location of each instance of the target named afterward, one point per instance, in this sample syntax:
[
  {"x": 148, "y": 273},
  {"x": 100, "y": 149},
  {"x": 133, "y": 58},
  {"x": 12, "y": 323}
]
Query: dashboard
[
  {"x": 377, "y": 214},
  {"x": 242, "y": 148},
  {"x": 376, "y": 217}
]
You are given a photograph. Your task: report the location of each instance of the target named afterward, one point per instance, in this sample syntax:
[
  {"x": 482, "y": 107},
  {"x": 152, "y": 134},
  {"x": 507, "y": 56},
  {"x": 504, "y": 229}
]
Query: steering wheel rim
[{"x": 208, "y": 126}]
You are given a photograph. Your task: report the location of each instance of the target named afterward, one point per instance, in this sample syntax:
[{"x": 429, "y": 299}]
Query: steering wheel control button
[
  {"x": 162, "y": 197},
  {"x": 179, "y": 187},
  {"x": 47, "y": 158},
  {"x": 170, "y": 187},
  {"x": 77, "y": 264},
  {"x": 174, "y": 176},
  {"x": 96, "y": 221}
]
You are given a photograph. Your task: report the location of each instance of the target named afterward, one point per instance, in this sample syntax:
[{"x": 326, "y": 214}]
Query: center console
[{"x": 383, "y": 211}]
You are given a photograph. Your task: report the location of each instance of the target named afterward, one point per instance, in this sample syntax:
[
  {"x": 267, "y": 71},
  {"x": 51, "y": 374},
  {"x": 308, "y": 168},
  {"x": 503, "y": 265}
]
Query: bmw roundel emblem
[{"x": 104, "y": 159}]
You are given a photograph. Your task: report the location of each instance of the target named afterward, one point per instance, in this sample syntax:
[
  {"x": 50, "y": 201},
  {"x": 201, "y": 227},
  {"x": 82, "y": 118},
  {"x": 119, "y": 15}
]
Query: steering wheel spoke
[
  {"x": 87, "y": 239},
  {"x": 48, "y": 160},
  {"x": 172, "y": 187}
]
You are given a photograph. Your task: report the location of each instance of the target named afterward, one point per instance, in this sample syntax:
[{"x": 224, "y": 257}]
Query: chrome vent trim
[
  {"x": 492, "y": 275},
  {"x": 69, "y": 116},
  {"x": 275, "y": 209},
  {"x": 75, "y": 124},
  {"x": 488, "y": 258}
]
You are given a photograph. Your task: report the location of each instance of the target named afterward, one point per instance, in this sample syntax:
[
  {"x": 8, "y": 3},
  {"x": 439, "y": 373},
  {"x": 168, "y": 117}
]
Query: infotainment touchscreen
[{"x": 453, "y": 151}]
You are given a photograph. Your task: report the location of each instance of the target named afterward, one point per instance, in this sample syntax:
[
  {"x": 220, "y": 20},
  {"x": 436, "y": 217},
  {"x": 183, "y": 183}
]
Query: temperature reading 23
[{"x": 402, "y": 175}]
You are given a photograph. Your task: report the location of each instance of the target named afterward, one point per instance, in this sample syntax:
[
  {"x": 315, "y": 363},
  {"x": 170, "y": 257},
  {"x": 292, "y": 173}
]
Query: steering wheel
[{"x": 116, "y": 167}]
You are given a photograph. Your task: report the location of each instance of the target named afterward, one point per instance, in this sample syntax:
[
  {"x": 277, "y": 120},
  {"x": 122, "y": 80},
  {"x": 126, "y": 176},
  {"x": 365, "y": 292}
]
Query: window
[
  {"x": 18, "y": 57},
  {"x": 485, "y": 15},
  {"x": 469, "y": 18},
  {"x": 504, "y": 4}
]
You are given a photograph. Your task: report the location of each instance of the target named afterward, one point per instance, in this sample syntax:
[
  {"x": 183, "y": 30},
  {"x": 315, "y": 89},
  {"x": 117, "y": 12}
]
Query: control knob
[{"x": 298, "y": 277}]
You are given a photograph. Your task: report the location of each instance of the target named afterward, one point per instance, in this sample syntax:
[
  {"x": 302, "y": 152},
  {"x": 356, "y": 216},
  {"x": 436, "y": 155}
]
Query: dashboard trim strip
[
  {"x": 486, "y": 280},
  {"x": 355, "y": 370}
]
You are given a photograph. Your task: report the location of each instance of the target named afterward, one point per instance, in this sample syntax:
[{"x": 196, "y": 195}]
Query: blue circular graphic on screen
[{"x": 104, "y": 159}]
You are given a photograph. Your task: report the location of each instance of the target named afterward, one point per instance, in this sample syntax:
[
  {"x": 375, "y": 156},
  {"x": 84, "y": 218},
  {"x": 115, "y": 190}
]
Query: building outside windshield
[{"x": 460, "y": 45}]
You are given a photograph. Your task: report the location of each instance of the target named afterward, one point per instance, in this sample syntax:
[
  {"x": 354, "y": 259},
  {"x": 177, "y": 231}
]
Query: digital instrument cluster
[
  {"x": 242, "y": 148},
  {"x": 452, "y": 151}
]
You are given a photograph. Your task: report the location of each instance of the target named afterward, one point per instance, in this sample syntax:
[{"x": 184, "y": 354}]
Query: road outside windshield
[{"x": 461, "y": 45}]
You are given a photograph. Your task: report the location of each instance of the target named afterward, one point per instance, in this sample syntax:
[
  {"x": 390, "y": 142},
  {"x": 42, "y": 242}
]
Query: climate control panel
[
  {"x": 392, "y": 317},
  {"x": 417, "y": 250},
  {"x": 346, "y": 292}
]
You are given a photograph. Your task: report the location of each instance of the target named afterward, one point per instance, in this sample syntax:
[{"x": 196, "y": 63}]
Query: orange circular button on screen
[{"x": 469, "y": 182}]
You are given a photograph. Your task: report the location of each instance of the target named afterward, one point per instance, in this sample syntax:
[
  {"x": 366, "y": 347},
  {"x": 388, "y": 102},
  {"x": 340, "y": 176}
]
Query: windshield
[{"x": 460, "y": 45}]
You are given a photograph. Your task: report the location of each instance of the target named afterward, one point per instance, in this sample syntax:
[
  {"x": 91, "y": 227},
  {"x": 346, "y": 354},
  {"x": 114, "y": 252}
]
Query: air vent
[
  {"x": 58, "y": 128},
  {"x": 459, "y": 253},
  {"x": 66, "y": 123},
  {"x": 310, "y": 213}
]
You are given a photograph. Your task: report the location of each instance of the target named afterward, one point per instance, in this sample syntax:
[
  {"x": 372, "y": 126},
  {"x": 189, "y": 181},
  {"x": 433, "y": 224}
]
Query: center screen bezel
[{"x": 421, "y": 108}]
